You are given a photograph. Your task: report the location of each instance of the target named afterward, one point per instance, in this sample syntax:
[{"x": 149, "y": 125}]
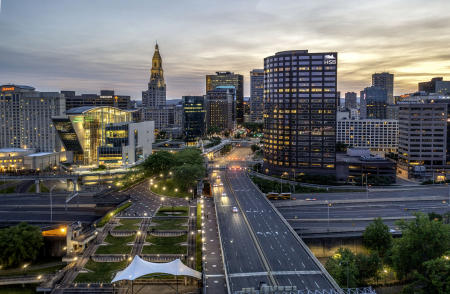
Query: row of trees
[
  {"x": 186, "y": 165},
  {"x": 19, "y": 244},
  {"x": 421, "y": 256}
]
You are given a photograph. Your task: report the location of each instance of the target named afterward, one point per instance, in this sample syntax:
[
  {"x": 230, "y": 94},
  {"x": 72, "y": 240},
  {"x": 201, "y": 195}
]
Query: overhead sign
[
  {"x": 330, "y": 59},
  {"x": 4, "y": 89}
]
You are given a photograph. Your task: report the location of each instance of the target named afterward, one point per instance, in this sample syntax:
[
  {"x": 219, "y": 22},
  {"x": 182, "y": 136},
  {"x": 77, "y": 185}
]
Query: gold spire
[{"x": 157, "y": 74}]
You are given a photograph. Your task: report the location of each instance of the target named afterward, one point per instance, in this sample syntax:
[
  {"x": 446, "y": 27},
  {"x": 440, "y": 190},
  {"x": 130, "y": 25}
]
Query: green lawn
[
  {"x": 101, "y": 271},
  {"x": 43, "y": 188},
  {"x": 170, "y": 224},
  {"x": 128, "y": 224},
  {"x": 165, "y": 245},
  {"x": 198, "y": 252},
  {"x": 19, "y": 289},
  {"x": 169, "y": 190},
  {"x": 199, "y": 216},
  {"x": 7, "y": 191},
  {"x": 173, "y": 210},
  {"x": 118, "y": 245}
]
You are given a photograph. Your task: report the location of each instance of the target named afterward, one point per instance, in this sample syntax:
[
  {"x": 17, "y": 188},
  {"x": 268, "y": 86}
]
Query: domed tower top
[{"x": 157, "y": 74}]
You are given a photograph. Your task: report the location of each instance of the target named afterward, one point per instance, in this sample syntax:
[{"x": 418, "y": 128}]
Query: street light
[{"x": 328, "y": 209}]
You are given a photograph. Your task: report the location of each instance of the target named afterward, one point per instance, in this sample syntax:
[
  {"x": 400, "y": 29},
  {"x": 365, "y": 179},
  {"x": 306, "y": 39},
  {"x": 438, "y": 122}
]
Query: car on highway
[
  {"x": 224, "y": 194},
  {"x": 220, "y": 184},
  {"x": 215, "y": 185},
  {"x": 235, "y": 210},
  {"x": 310, "y": 199}
]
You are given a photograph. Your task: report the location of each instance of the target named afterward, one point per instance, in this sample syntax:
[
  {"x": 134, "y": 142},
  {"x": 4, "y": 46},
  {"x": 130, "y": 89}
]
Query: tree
[
  {"x": 189, "y": 156},
  {"x": 186, "y": 174},
  {"x": 368, "y": 267},
  {"x": 19, "y": 244},
  {"x": 422, "y": 240},
  {"x": 343, "y": 267},
  {"x": 159, "y": 162},
  {"x": 255, "y": 148},
  {"x": 341, "y": 147},
  {"x": 377, "y": 237}
]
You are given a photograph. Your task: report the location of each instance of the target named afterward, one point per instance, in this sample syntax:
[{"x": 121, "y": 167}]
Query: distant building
[
  {"x": 106, "y": 98},
  {"x": 392, "y": 112},
  {"x": 374, "y": 134},
  {"x": 104, "y": 135},
  {"x": 220, "y": 108},
  {"x": 423, "y": 149},
  {"x": 385, "y": 81},
  {"x": 373, "y": 103},
  {"x": 256, "y": 95},
  {"x": 155, "y": 96},
  {"x": 226, "y": 78},
  {"x": 25, "y": 120},
  {"x": 194, "y": 118},
  {"x": 300, "y": 112},
  {"x": 350, "y": 100},
  {"x": 16, "y": 159},
  {"x": 436, "y": 85}
]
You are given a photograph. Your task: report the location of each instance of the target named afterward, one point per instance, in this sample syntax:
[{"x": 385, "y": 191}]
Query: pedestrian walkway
[{"x": 213, "y": 263}]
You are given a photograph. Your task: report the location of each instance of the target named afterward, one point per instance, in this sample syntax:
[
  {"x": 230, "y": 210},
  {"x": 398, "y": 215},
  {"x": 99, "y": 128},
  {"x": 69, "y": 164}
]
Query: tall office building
[
  {"x": 373, "y": 103},
  {"x": 155, "y": 96},
  {"x": 226, "y": 78},
  {"x": 436, "y": 85},
  {"x": 219, "y": 108},
  {"x": 300, "y": 112},
  {"x": 423, "y": 147},
  {"x": 25, "y": 118},
  {"x": 256, "y": 95},
  {"x": 385, "y": 81},
  {"x": 350, "y": 100},
  {"x": 106, "y": 98},
  {"x": 194, "y": 118}
]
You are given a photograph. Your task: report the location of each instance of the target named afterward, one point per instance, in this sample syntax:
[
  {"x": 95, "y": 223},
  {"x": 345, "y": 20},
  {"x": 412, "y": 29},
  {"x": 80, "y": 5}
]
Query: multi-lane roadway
[{"x": 258, "y": 245}]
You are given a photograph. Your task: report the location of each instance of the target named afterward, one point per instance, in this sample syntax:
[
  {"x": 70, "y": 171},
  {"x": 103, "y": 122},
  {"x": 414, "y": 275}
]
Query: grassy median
[
  {"x": 169, "y": 224},
  {"x": 165, "y": 245},
  {"x": 173, "y": 211},
  {"x": 117, "y": 245},
  {"x": 127, "y": 224},
  {"x": 100, "y": 271},
  {"x": 167, "y": 187}
]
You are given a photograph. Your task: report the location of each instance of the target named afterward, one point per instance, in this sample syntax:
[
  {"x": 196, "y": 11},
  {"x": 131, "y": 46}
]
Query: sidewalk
[{"x": 212, "y": 267}]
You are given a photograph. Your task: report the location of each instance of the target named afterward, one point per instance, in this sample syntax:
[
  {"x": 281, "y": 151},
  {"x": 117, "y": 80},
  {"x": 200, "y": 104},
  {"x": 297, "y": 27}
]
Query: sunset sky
[{"x": 88, "y": 45}]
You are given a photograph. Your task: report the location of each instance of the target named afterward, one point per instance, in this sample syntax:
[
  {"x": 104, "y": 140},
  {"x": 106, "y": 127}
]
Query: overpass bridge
[{"x": 259, "y": 246}]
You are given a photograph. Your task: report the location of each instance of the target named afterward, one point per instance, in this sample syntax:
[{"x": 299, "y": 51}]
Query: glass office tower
[
  {"x": 300, "y": 102},
  {"x": 194, "y": 115}
]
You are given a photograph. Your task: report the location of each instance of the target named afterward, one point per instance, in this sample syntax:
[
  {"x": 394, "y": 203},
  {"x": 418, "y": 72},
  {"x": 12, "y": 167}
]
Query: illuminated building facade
[
  {"x": 226, "y": 78},
  {"x": 256, "y": 95},
  {"x": 374, "y": 103},
  {"x": 300, "y": 102},
  {"x": 385, "y": 81},
  {"x": 89, "y": 131},
  {"x": 436, "y": 85},
  {"x": 220, "y": 108},
  {"x": 106, "y": 98},
  {"x": 374, "y": 134},
  {"x": 25, "y": 118},
  {"x": 194, "y": 118}
]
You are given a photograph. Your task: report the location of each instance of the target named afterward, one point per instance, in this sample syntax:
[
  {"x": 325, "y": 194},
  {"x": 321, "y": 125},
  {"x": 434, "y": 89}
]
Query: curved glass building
[{"x": 300, "y": 102}]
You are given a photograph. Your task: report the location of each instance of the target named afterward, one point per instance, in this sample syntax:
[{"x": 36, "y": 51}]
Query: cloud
[{"x": 89, "y": 45}]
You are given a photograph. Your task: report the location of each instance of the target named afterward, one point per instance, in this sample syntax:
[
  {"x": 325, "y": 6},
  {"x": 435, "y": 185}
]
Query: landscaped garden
[
  {"x": 165, "y": 245},
  {"x": 168, "y": 187},
  {"x": 173, "y": 211},
  {"x": 100, "y": 271},
  {"x": 169, "y": 224},
  {"x": 127, "y": 224},
  {"x": 117, "y": 245}
]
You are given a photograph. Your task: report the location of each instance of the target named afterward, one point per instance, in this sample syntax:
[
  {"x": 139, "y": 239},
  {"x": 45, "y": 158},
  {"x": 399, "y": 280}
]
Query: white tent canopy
[{"x": 139, "y": 267}]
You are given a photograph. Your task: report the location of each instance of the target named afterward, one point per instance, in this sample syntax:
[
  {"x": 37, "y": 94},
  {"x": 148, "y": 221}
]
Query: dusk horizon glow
[{"x": 88, "y": 46}]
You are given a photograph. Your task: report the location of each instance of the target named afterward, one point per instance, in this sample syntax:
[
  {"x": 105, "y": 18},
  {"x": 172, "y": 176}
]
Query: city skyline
[{"x": 106, "y": 45}]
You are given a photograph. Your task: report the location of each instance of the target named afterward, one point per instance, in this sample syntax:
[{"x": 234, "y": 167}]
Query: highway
[{"x": 258, "y": 244}]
